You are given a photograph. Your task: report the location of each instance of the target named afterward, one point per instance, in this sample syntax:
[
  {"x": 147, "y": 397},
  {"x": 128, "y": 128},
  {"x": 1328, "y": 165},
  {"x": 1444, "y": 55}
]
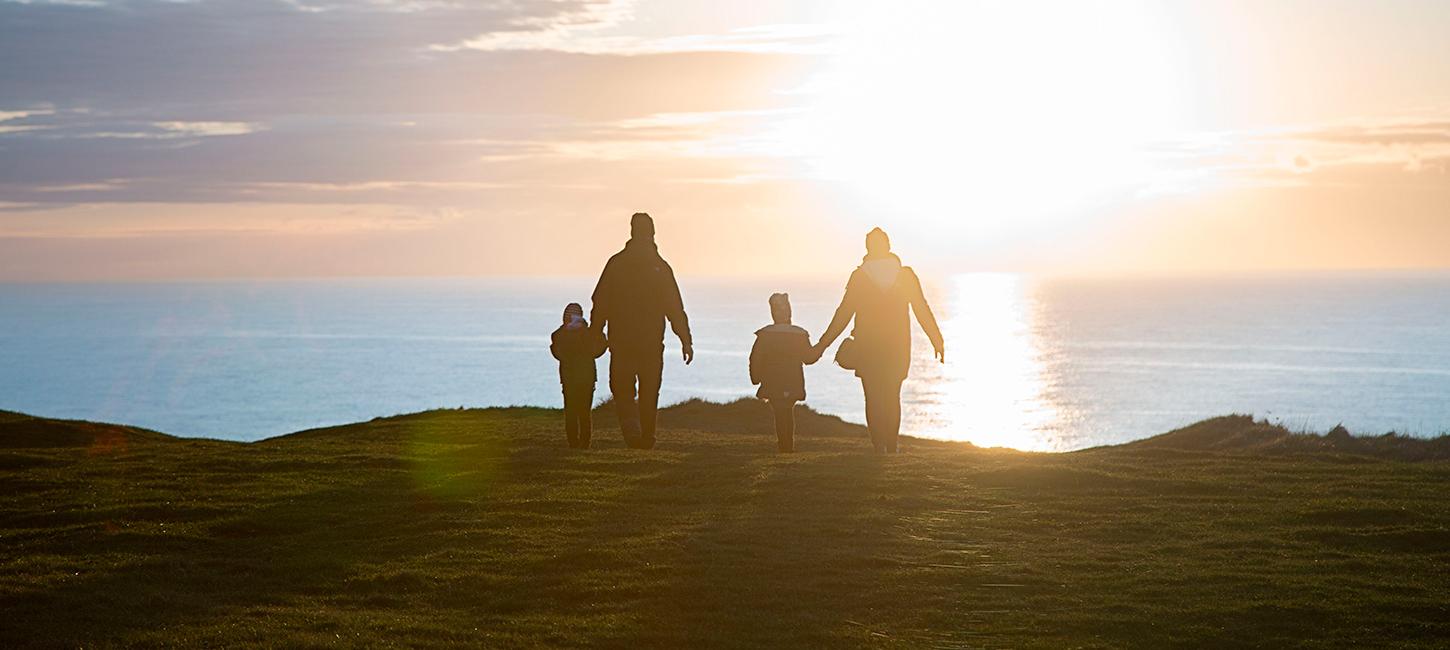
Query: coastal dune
[{"x": 476, "y": 527}]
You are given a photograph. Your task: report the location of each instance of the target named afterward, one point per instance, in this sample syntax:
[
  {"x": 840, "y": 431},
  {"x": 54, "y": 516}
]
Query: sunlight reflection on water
[{"x": 993, "y": 390}]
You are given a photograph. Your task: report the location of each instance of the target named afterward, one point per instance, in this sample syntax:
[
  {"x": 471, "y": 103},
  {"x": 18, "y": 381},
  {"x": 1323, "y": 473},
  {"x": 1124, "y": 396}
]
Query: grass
[{"x": 479, "y": 528}]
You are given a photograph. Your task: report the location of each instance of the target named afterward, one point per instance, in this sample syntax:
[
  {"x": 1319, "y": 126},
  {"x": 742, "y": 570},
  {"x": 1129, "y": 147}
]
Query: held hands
[
  {"x": 939, "y": 350},
  {"x": 813, "y": 354}
]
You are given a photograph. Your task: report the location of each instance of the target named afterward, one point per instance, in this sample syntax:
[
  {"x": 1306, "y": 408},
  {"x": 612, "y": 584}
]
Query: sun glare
[{"x": 997, "y": 118}]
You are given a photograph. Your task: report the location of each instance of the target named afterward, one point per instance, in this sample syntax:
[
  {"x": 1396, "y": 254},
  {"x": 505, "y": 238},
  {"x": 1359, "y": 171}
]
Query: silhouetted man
[{"x": 635, "y": 294}]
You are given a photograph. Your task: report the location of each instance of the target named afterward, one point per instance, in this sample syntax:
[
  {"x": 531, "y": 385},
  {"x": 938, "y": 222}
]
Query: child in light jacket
[
  {"x": 777, "y": 364},
  {"x": 576, "y": 346}
]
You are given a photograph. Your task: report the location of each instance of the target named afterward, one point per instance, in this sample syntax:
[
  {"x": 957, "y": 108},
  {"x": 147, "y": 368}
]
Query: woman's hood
[{"x": 882, "y": 270}]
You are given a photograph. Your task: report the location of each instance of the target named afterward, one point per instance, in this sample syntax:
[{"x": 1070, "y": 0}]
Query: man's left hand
[{"x": 688, "y": 352}]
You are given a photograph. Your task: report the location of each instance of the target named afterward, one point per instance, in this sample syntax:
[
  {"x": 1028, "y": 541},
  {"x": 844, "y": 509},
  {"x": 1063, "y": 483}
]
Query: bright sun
[{"x": 999, "y": 118}]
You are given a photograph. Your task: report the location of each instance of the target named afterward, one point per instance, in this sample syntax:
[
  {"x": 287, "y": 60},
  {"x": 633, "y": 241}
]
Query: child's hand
[{"x": 813, "y": 354}]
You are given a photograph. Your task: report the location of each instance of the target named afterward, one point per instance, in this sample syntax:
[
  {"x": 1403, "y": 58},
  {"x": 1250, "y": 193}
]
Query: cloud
[
  {"x": 206, "y": 129},
  {"x": 327, "y": 101},
  {"x": 97, "y": 220},
  {"x": 71, "y": 3},
  {"x": 6, "y": 116},
  {"x": 20, "y": 116},
  {"x": 102, "y": 186},
  {"x": 584, "y": 38},
  {"x": 256, "y": 60},
  {"x": 1383, "y": 132},
  {"x": 83, "y": 124},
  {"x": 426, "y": 160},
  {"x": 1364, "y": 152},
  {"x": 247, "y": 60}
]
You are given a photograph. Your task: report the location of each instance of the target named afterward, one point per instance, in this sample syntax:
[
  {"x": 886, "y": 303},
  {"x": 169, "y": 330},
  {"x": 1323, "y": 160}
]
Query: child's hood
[
  {"x": 779, "y": 328},
  {"x": 565, "y": 330}
]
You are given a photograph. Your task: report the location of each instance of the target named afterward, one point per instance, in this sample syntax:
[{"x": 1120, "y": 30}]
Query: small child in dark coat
[
  {"x": 776, "y": 363},
  {"x": 576, "y": 346}
]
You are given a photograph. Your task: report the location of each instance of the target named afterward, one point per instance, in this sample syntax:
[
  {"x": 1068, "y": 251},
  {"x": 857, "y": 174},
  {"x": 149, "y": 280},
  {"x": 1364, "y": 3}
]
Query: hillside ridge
[{"x": 1224, "y": 434}]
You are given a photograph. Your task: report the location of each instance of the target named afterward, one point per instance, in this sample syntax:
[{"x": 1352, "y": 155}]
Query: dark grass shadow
[
  {"x": 779, "y": 563},
  {"x": 522, "y": 538},
  {"x": 212, "y": 567}
]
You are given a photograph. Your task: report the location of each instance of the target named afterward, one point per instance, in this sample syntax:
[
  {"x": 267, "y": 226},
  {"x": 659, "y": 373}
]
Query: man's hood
[
  {"x": 641, "y": 245},
  {"x": 640, "y": 251}
]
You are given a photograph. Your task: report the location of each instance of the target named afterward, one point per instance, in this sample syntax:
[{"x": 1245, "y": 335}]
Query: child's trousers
[
  {"x": 784, "y": 410},
  {"x": 578, "y": 400}
]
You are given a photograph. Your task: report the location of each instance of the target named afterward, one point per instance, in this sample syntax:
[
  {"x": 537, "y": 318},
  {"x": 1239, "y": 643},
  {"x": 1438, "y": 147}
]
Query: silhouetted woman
[{"x": 877, "y": 297}]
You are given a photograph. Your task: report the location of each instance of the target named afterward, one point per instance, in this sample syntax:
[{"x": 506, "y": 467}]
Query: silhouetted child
[
  {"x": 576, "y": 346},
  {"x": 776, "y": 363}
]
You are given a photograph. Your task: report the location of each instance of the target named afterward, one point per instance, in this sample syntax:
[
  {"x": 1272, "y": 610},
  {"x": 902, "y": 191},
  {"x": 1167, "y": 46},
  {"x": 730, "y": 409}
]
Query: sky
[{"x": 176, "y": 139}]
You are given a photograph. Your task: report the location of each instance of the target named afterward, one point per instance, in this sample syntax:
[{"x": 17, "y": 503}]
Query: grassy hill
[{"x": 478, "y": 528}]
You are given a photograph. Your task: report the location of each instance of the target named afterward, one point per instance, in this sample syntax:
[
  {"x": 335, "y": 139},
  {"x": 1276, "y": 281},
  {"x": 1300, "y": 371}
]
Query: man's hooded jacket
[{"x": 636, "y": 293}]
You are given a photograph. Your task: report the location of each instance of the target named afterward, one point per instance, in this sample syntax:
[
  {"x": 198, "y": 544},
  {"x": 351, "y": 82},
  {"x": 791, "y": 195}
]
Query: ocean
[{"x": 1032, "y": 363}]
